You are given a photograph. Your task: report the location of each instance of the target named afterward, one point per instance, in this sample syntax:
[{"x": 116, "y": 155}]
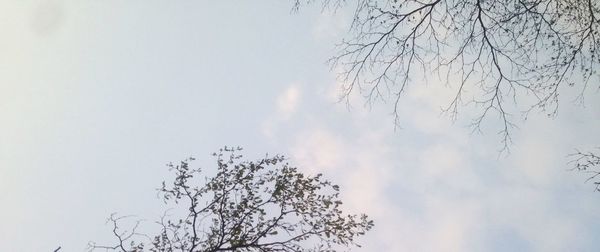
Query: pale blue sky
[{"x": 96, "y": 96}]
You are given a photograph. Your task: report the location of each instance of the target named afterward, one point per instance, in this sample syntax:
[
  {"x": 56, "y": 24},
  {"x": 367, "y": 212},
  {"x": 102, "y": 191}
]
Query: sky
[{"x": 97, "y": 96}]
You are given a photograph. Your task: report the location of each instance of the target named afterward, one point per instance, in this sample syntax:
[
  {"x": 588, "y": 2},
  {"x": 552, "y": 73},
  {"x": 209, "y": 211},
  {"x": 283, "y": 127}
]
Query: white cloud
[
  {"x": 318, "y": 151},
  {"x": 287, "y": 102},
  {"x": 432, "y": 186}
]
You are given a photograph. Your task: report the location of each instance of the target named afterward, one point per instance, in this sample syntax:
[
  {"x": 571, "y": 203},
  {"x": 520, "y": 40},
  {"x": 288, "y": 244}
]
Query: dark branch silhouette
[
  {"x": 501, "y": 57},
  {"x": 588, "y": 163},
  {"x": 263, "y": 205},
  {"x": 493, "y": 53}
]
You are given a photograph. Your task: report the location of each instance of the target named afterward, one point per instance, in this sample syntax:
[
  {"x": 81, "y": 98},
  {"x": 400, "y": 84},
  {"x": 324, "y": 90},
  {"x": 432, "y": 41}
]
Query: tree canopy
[
  {"x": 504, "y": 57},
  {"x": 262, "y": 205}
]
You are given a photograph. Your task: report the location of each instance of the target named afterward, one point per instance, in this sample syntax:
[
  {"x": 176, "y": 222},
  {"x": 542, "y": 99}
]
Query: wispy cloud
[
  {"x": 288, "y": 101},
  {"x": 286, "y": 105},
  {"x": 431, "y": 187}
]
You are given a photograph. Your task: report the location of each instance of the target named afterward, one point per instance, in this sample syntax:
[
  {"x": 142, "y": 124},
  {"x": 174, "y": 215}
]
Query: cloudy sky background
[{"x": 96, "y": 96}]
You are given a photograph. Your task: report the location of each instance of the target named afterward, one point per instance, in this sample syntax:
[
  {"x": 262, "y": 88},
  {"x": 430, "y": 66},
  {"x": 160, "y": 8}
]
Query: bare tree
[
  {"x": 263, "y": 205},
  {"x": 492, "y": 52},
  {"x": 588, "y": 163},
  {"x": 502, "y": 57}
]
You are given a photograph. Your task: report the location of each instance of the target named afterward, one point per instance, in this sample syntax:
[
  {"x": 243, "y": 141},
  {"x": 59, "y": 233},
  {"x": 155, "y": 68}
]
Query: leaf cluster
[{"x": 262, "y": 205}]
